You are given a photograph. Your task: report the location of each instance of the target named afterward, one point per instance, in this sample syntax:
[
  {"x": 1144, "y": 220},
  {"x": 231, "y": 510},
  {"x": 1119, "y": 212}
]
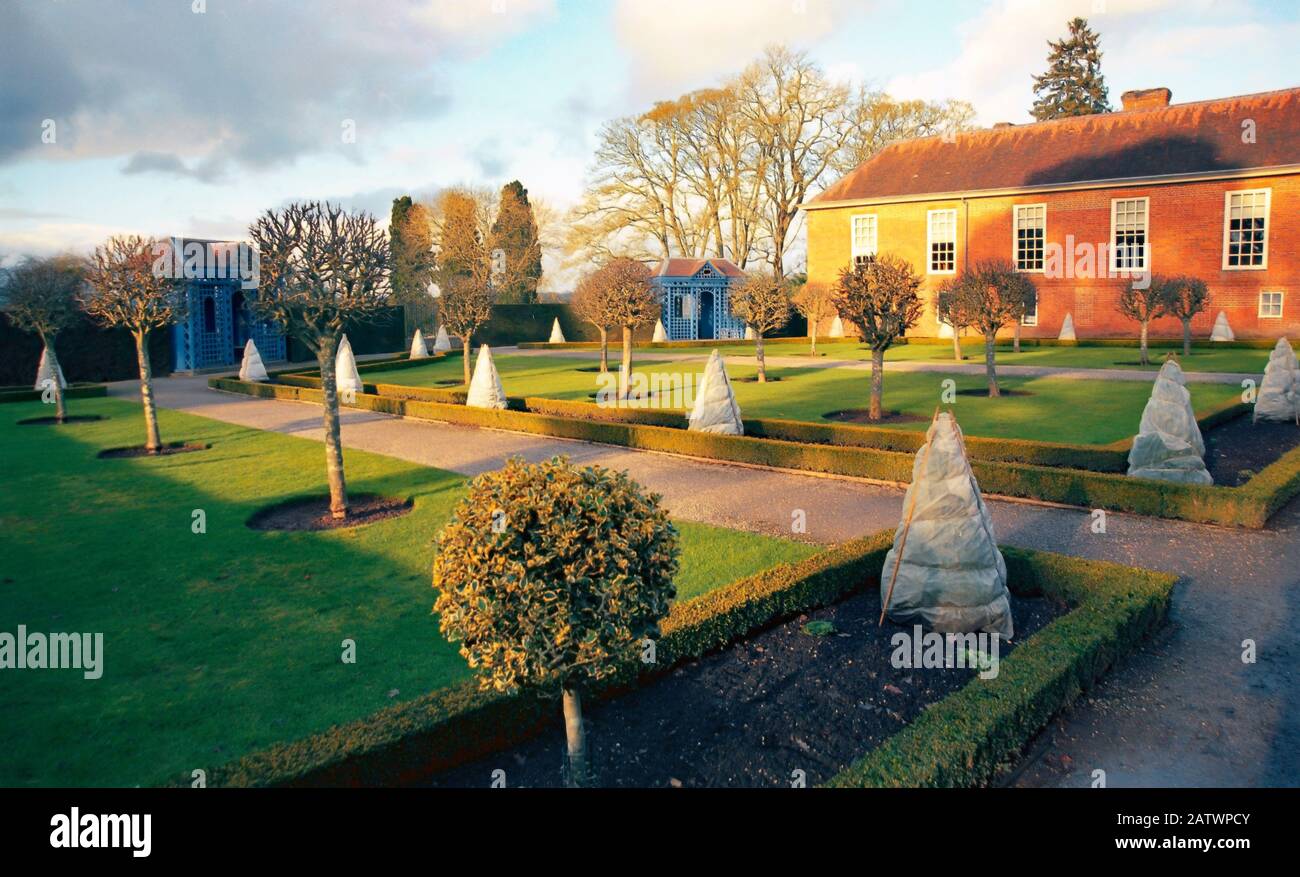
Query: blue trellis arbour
[
  {"x": 695, "y": 297},
  {"x": 219, "y": 321}
]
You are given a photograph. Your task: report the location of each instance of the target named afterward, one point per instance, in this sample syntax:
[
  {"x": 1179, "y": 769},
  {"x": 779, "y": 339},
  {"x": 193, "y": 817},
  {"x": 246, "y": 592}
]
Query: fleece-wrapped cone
[
  {"x": 1169, "y": 446},
  {"x": 1222, "y": 331},
  {"x": 837, "y": 327},
  {"x": 485, "y": 390},
  {"x": 715, "y": 404},
  {"x": 346, "y": 377},
  {"x": 251, "y": 367},
  {"x": 557, "y": 334},
  {"x": 419, "y": 350},
  {"x": 1279, "y": 392},
  {"x": 660, "y": 334},
  {"x": 952, "y": 576},
  {"x": 1067, "y": 329},
  {"x": 44, "y": 374},
  {"x": 945, "y": 330},
  {"x": 441, "y": 343}
]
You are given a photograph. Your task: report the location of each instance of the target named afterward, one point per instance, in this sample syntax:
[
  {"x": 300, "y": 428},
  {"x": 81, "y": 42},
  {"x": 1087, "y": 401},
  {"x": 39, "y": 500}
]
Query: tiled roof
[
  {"x": 678, "y": 267},
  {"x": 1202, "y": 137}
]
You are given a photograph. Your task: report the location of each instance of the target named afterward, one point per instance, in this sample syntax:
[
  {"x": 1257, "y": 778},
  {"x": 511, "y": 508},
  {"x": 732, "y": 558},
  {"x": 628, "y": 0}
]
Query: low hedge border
[
  {"x": 1160, "y": 344},
  {"x": 1249, "y": 505},
  {"x": 969, "y": 737},
  {"x": 409, "y": 741},
  {"x": 73, "y": 391}
]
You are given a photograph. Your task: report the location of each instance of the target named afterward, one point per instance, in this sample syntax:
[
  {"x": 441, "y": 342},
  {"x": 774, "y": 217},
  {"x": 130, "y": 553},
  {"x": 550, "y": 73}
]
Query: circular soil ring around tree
[
  {"x": 54, "y": 421},
  {"x": 753, "y": 379},
  {"x": 313, "y": 513},
  {"x": 863, "y": 415},
  {"x": 140, "y": 450},
  {"x": 450, "y": 383},
  {"x": 984, "y": 391}
]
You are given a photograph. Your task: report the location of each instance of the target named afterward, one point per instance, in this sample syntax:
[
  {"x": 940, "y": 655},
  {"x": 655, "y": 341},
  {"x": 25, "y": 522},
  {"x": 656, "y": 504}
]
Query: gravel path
[{"x": 1184, "y": 711}]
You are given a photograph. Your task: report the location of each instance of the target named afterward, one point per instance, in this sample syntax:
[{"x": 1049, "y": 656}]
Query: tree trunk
[
  {"x": 990, "y": 343},
  {"x": 625, "y": 370},
  {"x": 1187, "y": 337},
  {"x": 333, "y": 433},
  {"x": 153, "y": 442},
  {"x": 758, "y": 354},
  {"x": 877, "y": 384},
  {"x": 812, "y": 335},
  {"x": 60, "y": 408},
  {"x": 465, "y": 358},
  {"x": 604, "y": 350},
  {"x": 956, "y": 344},
  {"x": 1143, "y": 345},
  {"x": 576, "y": 737},
  {"x": 1015, "y": 344}
]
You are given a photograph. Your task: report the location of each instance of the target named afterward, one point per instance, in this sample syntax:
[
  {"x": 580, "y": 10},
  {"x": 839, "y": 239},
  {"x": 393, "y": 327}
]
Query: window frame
[
  {"x": 854, "y": 252},
  {"x": 1281, "y": 304},
  {"x": 1027, "y": 320},
  {"x": 929, "y": 241},
  {"x": 1015, "y": 240},
  {"x": 1113, "y": 258},
  {"x": 1268, "y": 221}
]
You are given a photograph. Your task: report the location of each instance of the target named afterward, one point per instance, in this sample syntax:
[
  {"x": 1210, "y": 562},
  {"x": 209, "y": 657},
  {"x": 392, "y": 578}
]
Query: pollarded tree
[
  {"x": 587, "y": 304},
  {"x": 1184, "y": 298},
  {"x": 322, "y": 269},
  {"x": 762, "y": 301},
  {"x": 815, "y": 301},
  {"x": 948, "y": 307},
  {"x": 554, "y": 577},
  {"x": 126, "y": 288},
  {"x": 880, "y": 297},
  {"x": 464, "y": 307},
  {"x": 40, "y": 296},
  {"x": 1143, "y": 302},
  {"x": 629, "y": 301},
  {"x": 992, "y": 295},
  {"x": 1022, "y": 300}
]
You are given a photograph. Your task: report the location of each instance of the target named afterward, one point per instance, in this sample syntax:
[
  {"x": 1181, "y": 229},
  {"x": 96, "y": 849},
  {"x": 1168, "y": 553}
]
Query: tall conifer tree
[
  {"x": 1073, "y": 84},
  {"x": 519, "y": 265}
]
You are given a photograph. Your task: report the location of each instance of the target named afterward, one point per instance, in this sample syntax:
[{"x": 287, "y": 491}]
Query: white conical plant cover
[
  {"x": 715, "y": 408},
  {"x": 837, "y": 327},
  {"x": 441, "y": 343},
  {"x": 660, "y": 334},
  {"x": 346, "y": 377},
  {"x": 749, "y": 333},
  {"x": 251, "y": 368},
  {"x": 1067, "y": 329},
  {"x": 945, "y": 330},
  {"x": 1222, "y": 331},
  {"x": 44, "y": 374},
  {"x": 1169, "y": 446},
  {"x": 1279, "y": 392},
  {"x": 951, "y": 575},
  {"x": 1173, "y": 371},
  {"x": 419, "y": 350},
  {"x": 557, "y": 334},
  {"x": 485, "y": 390}
]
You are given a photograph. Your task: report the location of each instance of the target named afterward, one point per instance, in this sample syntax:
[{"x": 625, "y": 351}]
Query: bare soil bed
[
  {"x": 863, "y": 415},
  {"x": 142, "y": 451},
  {"x": 752, "y": 714},
  {"x": 313, "y": 513},
  {"x": 1237, "y": 450}
]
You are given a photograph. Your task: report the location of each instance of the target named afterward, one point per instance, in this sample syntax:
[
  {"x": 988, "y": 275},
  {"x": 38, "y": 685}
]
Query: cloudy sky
[{"x": 189, "y": 117}]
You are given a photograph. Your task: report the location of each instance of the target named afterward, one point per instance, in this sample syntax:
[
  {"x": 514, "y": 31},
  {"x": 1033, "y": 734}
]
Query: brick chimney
[{"x": 1145, "y": 99}]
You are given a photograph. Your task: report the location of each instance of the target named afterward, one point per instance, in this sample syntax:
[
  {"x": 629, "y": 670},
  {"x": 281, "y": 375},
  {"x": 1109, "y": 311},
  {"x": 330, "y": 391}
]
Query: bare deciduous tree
[
  {"x": 1143, "y": 302},
  {"x": 127, "y": 287},
  {"x": 587, "y": 303},
  {"x": 816, "y": 301},
  {"x": 465, "y": 306},
  {"x": 629, "y": 300},
  {"x": 991, "y": 295},
  {"x": 881, "y": 298},
  {"x": 762, "y": 301},
  {"x": 948, "y": 308},
  {"x": 322, "y": 269},
  {"x": 40, "y": 296},
  {"x": 1184, "y": 298}
]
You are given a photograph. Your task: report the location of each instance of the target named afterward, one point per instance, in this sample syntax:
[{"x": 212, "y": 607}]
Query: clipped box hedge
[
  {"x": 72, "y": 391},
  {"x": 1249, "y": 505},
  {"x": 967, "y": 738},
  {"x": 410, "y": 741}
]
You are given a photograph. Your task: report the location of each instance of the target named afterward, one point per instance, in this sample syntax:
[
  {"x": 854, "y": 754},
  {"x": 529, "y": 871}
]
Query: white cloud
[{"x": 677, "y": 45}]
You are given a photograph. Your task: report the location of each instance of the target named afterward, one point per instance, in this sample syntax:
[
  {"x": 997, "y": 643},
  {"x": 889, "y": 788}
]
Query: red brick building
[{"x": 1086, "y": 205}]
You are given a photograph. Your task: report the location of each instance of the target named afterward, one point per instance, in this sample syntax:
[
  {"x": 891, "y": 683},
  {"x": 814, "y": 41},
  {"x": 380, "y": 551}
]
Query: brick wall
[{"x": 1185, "y": 225}]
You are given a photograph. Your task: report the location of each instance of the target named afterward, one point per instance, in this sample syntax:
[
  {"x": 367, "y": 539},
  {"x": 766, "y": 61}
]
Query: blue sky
[{"x": 174, "y": 119}]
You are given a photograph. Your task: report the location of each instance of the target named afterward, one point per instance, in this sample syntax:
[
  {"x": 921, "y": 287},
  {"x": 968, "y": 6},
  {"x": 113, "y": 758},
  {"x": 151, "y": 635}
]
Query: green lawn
[
  {"x": 1237, "y": 360},
  {"x": 219, "y": 643},
  {"x": 1058, "y": 409}
]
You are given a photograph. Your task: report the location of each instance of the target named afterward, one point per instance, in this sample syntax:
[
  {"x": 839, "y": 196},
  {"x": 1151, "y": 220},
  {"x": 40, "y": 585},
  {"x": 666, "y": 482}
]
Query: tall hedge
[{"x": 87, "y": 352}]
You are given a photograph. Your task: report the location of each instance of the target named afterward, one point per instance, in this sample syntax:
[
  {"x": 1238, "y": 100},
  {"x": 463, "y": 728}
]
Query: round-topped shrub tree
[{"x": 552, "y": 576}]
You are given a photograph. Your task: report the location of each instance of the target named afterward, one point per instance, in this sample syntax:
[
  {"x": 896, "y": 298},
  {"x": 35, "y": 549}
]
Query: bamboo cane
[{"x": 907, "y": 527}]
